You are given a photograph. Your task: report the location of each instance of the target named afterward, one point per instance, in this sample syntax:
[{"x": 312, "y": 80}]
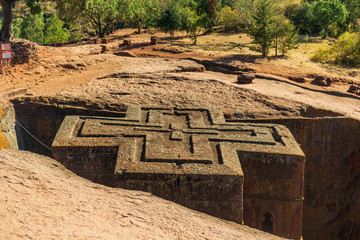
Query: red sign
[
  {"x": 5, "y": 47},
  {"x": 5, "y": 51}
]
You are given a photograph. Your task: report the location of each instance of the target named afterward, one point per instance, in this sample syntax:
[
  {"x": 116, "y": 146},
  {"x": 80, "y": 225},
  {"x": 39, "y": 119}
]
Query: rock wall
[
  {"x": 7, "y": 127},
  {"x": 332, "y": 175},
  {"x": 42, "y": 118},
  {"x": 273, "y": 192}
]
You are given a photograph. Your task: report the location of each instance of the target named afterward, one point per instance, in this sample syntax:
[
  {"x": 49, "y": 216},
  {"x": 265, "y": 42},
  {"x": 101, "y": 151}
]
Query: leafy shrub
[
  {"x": 54, "y": 32},
  {"x": 327, "y": 17},
  {"x": 32, "y": 28},
  {"x": 229, "y": 18},
  {"x": 192, "y": 23},
  {"x": 285, "y": 35},
  {"x": 263, "y": 30},
  {"x": 345, "y": 52},
  {"x": 171, "y": 19}
]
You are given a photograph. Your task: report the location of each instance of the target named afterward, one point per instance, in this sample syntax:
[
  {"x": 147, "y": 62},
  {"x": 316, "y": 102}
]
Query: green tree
[
  {"x": 171, "y": 19},
  {"x": 285, "y": 35},
  {"x": 71, "y": 10},
  {"x": 138, "y": 12},
  {"x": 103, "y": 15},
  {"x": 54, "y": 32},
  {"x": 304, "y": 18},
  {"x": 329, "y": 14},
  {"x": 17, "y": 27},
  {"x": 327, "y": 17},
  {"x": 263, "y": 27},
  {"x": 6, "y": 29},
  {"x": 229, "y": 19},
  {"x": 192, "y": 23},
  {"x": 353, "y": 8},
  {"x": 32, "y": 28}
]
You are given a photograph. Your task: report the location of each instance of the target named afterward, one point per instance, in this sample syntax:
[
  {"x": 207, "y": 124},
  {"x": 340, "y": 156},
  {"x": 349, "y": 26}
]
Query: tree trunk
[
  {"x": 139, "y": 27},
  {"x": 101, "y": 32},
  {"x": 212, "y": 8},
  {"x": 6, "y": 30}
]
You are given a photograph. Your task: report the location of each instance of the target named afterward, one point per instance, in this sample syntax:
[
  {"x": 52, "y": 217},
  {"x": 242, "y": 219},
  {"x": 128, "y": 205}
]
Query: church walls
[{"x": 332, "y": 175}]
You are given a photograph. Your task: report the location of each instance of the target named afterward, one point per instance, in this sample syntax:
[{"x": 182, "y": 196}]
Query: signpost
[{"x": 5, "y": 53}]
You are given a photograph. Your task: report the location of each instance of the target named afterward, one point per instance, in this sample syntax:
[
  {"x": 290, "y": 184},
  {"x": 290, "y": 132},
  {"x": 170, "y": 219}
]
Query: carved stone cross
[{"x": 190, "y": 156}]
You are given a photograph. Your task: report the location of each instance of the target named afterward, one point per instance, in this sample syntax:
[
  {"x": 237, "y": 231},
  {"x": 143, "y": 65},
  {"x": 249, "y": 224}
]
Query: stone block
[
  {"x": 127, "y": 42},
  {"x": 153, "y": 40},
  {"x": 105, "y": 40},
  {"x": 103, "y": 49},
  {"x": 246, "y": 78}
]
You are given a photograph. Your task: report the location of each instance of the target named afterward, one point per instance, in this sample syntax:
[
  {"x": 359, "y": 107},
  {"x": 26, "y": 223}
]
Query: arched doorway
[{"x": 267, "y": 224}]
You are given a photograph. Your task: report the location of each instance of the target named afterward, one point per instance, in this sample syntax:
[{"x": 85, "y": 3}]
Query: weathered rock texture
[
  {"x": 195, "y": 158},
  {"x": 332, "y": 136},
  {"x": 40, "y": 199},
  {"x": 7, "y": 127},
  {"x": 332, "y": 175},
  {"x": 23, "y": 50}
]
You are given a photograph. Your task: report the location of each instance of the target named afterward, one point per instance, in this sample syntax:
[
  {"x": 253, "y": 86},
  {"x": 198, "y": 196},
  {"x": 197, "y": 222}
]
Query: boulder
[
  {"x": 246, "y": 78},
  {"x": 354, "y": 89},
  {"x": 322, "y": 81},
  {"x": 127, "y": 42}
]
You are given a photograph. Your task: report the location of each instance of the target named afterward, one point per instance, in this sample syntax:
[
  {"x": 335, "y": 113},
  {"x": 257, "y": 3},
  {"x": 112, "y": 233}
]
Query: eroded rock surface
[{"x": 40, "y": 199}]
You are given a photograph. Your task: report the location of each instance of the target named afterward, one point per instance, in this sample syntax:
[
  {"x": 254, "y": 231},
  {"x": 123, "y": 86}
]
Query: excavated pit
[{"x": 331, "y": 145}]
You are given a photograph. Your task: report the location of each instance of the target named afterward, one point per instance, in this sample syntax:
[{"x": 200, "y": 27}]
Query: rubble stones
[
  {"x": 322, "y": 81},
  {"x": 354, "y": 89},
  {"x": 23, "y": 51},
  {"x": 127, "y": 42}
]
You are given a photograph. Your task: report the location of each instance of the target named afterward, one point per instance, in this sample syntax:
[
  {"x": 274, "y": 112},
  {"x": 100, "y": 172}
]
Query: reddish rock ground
[{"x": 42, "y": 200}]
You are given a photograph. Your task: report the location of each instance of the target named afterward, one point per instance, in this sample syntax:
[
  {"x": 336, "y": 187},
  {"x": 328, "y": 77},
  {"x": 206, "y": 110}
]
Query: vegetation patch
[{"x": 346, "y": 51}]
